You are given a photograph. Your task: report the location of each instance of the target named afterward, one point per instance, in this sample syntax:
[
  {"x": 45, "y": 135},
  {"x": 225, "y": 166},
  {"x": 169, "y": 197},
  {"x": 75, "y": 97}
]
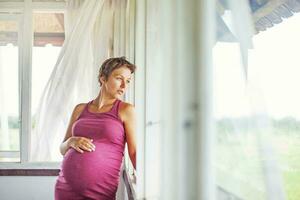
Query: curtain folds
[{"x": 89, "y": 40}]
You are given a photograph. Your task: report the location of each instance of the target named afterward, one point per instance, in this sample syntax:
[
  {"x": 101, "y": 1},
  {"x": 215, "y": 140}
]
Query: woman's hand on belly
[{"x": 81, "y": 144}]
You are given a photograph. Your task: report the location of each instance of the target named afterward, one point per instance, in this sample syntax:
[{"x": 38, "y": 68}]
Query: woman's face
[{"x": 117, "y": 82}]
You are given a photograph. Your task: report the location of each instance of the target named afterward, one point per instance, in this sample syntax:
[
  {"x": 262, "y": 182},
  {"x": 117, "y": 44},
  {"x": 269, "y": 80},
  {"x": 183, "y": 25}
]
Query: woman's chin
[{"x": 119, "y": 94}]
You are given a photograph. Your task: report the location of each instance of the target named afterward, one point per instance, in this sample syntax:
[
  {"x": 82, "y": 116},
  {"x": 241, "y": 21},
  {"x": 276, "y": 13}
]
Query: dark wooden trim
[{"x": 29, "y": 172}]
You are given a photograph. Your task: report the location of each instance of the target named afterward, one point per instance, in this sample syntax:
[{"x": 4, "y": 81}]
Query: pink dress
[{"x": 93, "y": 175}]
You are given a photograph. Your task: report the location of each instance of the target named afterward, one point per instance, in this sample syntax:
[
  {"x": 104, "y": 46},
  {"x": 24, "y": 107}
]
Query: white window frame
[
  {"x": 25, "y": 40},
  {"x": 17, "y": 18},
  {"x": 140, "y": 94},
  {"x": 129, "y": 51}
]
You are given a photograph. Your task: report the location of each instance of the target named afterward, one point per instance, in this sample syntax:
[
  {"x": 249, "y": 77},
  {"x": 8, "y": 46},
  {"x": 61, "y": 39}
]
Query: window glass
[{"x": 9, "y": 90}]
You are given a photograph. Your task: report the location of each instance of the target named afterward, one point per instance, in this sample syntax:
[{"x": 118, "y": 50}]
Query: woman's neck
[{"x": 103, "y": 99}]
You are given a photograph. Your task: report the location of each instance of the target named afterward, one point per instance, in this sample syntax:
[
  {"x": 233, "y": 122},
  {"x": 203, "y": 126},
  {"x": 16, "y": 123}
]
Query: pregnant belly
[{"x": 92, "y": 169}]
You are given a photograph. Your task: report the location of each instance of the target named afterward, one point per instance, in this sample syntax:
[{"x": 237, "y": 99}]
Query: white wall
[
  {"x": 27, "y": 187},
  {"x": 36, "y": 188}
]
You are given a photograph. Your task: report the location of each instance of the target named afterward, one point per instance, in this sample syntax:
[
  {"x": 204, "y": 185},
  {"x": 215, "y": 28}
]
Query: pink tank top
[{"x": 95, "y": 174}]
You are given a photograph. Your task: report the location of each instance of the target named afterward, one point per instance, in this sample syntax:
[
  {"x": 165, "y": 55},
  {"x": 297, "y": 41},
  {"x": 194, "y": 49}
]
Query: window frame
[
  {"x": 17, "y": 18},
  {"x": 128, "y": 39},
  {"x": 24, "y": 17}
]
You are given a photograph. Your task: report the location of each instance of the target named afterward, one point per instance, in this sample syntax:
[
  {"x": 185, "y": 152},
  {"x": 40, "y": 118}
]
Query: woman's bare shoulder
[
  {"x": 78, "y": 109},
  {"x": 124, "y": 106},
  {"x": 126, "y": 110}
]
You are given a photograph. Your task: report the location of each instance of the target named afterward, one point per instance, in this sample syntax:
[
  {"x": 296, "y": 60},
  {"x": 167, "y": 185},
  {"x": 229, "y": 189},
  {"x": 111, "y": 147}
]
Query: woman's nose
[{"x": 123, "y": 84}]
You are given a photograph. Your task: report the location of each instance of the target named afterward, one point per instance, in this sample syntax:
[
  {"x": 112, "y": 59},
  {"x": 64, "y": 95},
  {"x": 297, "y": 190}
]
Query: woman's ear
[{"x": 102, "y": 80}]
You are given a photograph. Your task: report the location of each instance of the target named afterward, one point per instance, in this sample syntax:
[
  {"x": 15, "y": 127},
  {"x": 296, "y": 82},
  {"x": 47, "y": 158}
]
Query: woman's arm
[
  {"x": 78, "y": 143},
  {"x": 128, "y": 118}
]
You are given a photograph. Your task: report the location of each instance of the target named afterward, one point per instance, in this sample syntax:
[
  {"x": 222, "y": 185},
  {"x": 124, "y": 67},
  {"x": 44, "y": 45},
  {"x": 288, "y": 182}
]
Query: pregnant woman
[{"x": 93, "y": 147}]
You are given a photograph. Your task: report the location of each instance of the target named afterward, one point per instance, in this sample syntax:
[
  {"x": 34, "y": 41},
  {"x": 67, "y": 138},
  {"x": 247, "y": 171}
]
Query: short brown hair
[{"x": 111, "y": 64}]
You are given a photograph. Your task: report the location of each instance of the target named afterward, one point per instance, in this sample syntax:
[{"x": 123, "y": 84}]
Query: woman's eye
[{"x": 128, "y": 82}]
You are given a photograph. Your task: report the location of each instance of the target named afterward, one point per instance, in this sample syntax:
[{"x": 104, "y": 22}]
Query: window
[
  {"x": 273, "y": 67},
  {"x": 9, "y": 89},
  {"x": 23, "y": 75}
]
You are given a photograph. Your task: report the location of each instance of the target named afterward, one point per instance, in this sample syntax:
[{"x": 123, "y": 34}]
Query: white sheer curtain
[
  {"x": 89, "y": 40},
  {"x": 247, "y": 166}
]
